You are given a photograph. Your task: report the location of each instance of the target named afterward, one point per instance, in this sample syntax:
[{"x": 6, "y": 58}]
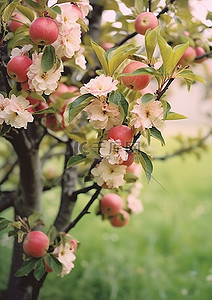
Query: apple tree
[{"x": 96, "y": 89}]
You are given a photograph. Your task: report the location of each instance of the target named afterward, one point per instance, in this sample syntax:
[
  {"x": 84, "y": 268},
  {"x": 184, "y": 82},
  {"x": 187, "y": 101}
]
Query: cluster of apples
[
  {"x": 111, "y": 206},
  {"x": 43, "y": 31},
  {"x": 143, "y": 22}
]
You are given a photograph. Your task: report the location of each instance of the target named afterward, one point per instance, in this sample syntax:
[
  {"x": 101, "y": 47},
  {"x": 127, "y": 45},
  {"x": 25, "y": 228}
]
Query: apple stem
[{"x": 150, "y": 5}]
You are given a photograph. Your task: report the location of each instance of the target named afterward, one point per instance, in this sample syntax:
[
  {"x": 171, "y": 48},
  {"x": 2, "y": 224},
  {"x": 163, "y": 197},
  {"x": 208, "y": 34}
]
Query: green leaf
[
  {"x": 83, "y": 24},
  {"x": 75, "y": 160},
  {"x": 4, "y": 129},
  {"x": 4, "y": 223},
  {"x": 143, "y": 71},
  {"x": 102, "y": 56},
  {"x": 37, "y": 97},
  {"x": 26, "y": 12},
  {"x": 33, "y": 4},
  {"x": 118, "y": 99},
  {"x": 7, "y": 13},
  {"x": 167, "y": 54},
  {"x": 51, "y": 12},
  {"x": 188, "y": 74},
  {"x": 57, "y": 9},
  {"x": 178, "y": 53},
  {"x": 130, "y": 177},
  {"x": 49, "y": 110},
  {"x": 40, "y": 269},
  {"x": 27, "y": 266},
  {"x": 54, "y": 263},
  {"x": 146, "y": 98},
  {"x": 48, "y": 58},
  {"x": 78, "y": 105},
  {"x": 157, "y": 134},
  {"x": 119, "y": 55},
  {"x": 175, "y": 116},
  {"x": 146, "y": 163},
  {"x": 166, "y": 108},
  {"x": 34, "y": 219},
  {"x": 151, "y": 39}
]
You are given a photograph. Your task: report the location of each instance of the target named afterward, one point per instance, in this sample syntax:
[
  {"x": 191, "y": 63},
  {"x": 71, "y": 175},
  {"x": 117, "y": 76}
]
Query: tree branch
[
  {"x": 206, "y": 54},
  {"x": 6, "y": 199},
  {"x": 165, "y": 9},
  {"x": 6, "y": 176},
  {"x": 160, "y": 93},
  {"x": 85, "y": 210},
  {"x": 184, "y": 150}
]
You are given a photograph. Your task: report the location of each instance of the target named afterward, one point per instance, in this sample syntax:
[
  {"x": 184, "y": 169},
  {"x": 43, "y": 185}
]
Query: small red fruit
[
  {"x": 121, "y": 219},
  {"x": 44, "y": 31},
  {"x": 111, "y": 204},
  {"x": 55, "y": 121},
  {"x": 188, "y": 57},
  {"x": 129, "y": 160},
  {"x": 144, "y": 21},
  {"x": 122, "y": 133},
  {"x": 17, "y": 68},
  {"x": 199, "y": 52},
  {"x": 137, "y": 82},
  {"x": 36, "y": 244}
]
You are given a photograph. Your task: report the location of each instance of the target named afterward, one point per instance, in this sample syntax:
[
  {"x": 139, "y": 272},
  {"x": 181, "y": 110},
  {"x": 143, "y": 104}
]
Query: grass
[{"x": 163, "y": 253}]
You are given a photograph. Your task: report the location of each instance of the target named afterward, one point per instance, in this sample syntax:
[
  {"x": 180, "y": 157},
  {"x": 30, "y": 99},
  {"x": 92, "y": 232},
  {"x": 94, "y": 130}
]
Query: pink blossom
[
  {"x": 106, "y": 174},
  {"x": 147, "y": 115},
  {"x": 100, "y": 86},
  {"x": 103, "y": 115},
  {"x": 113, "y": 151},
  {"x": 66, "y": 256}
]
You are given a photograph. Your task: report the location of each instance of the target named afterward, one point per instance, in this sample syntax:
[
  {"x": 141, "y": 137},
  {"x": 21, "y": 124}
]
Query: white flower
[
  {"x": 134, "y": 204},
  {"x": 103, "y": 115},
  {"x": 16, "y": 114},
  {"x": 147, "y": 115},
  {"x": 22, "y": 51},
  {"x": 68, "y": 41},
  {"x": 3, "y": 103},
  {"x": 100, "y": 86},
  {"x": 113, "y": 151},
  {"x": 111, "y": 176},
  {"x": 80, "y": 59},
  {"x": 41, "y": 81},
  {"x": 66, "y": 256}
]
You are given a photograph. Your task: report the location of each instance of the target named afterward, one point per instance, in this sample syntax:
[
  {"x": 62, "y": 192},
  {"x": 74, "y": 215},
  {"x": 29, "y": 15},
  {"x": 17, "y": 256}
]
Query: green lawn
[{"x": 163, "y": 253}]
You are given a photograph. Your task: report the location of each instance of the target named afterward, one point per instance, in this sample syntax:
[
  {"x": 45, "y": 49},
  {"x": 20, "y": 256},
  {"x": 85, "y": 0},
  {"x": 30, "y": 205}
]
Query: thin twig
[
  {"x": 160, "y": 93},
  {"x": 205, "y": 55},
  {"x": 165, "y": 9},
  {"x": 184, "y": 150},
  {"x": 150, "y": 5},
  {"x": 85, "y": 210},
  {"x": 6, "y": 176}
]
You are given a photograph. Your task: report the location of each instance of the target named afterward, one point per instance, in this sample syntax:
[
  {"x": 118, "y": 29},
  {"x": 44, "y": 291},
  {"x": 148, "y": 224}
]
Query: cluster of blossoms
[
  {"x": 14, "y": 111},
  {"x": 66, "y": 256}
]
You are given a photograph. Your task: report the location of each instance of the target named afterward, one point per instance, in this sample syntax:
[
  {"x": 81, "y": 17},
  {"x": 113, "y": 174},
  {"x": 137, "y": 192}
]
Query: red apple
[
  {"x": 137, "y": 82},
  {"x": 122, "y": 133},
  {"x": 130, "y": 160},
  {"x": 17, "y": 68},
  {"x": 43, "y": 31},
  {"x": 36, "y": 244},
  {"x": 121, "y": 219},
  {"x": 111, "y": 204},
  {"x": 199, "y": 52},
  {"x": 107, "y": 45},
  {"x": 188, "y": 57},
  {"x": 144, "y": 21}
]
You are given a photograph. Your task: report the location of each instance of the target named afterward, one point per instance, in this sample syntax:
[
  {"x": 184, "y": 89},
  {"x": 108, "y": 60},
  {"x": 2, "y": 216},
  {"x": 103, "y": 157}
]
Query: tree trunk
[{"x": 27, "y": 201}]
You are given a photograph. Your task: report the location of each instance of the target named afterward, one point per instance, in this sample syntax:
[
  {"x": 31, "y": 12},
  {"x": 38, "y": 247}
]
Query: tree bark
[{"x": 27, "y": 200}]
